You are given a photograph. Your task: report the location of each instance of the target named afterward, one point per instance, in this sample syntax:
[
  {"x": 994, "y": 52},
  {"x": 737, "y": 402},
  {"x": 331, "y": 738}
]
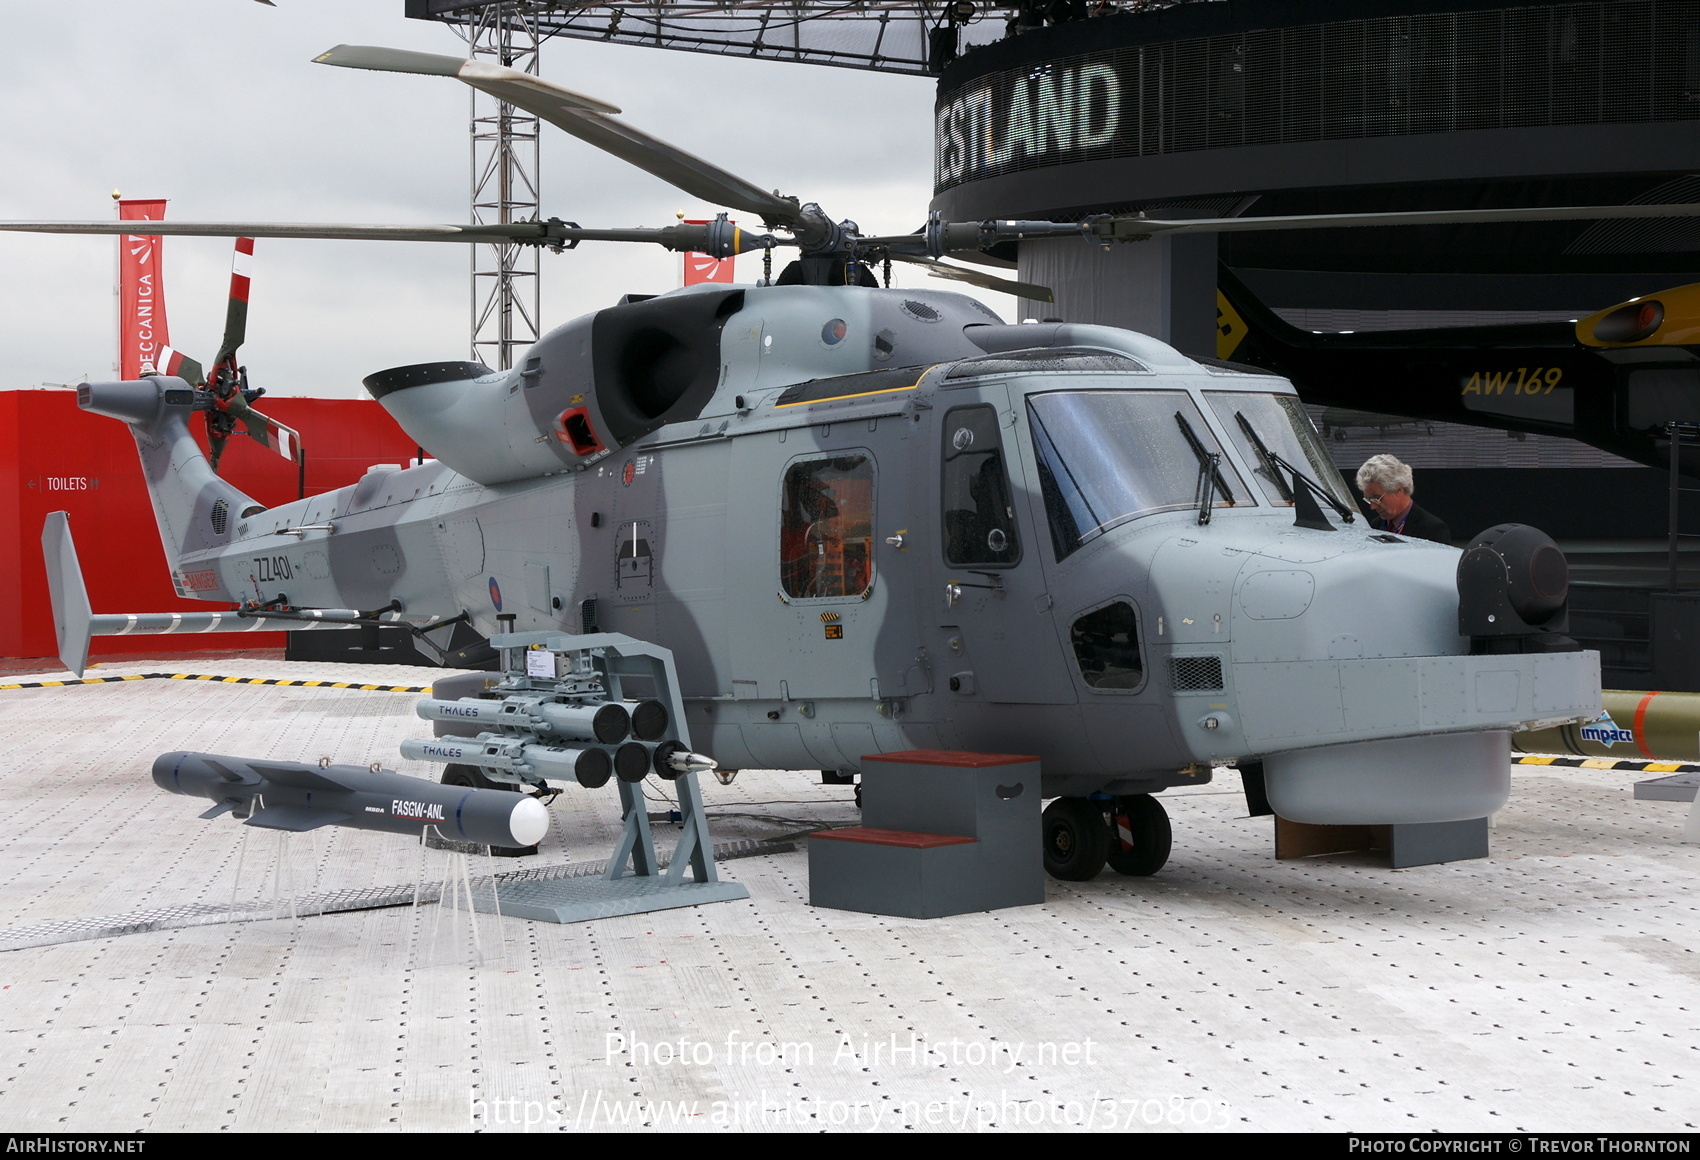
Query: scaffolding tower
[
  {"x": 910, "y": 37},
  {"x": 506, "y": 297}
]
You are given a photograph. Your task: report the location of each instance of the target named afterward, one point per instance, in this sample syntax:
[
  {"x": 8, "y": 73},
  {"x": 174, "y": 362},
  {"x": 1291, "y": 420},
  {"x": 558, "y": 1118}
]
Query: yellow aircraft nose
[{"x": 1669, "y": 318}]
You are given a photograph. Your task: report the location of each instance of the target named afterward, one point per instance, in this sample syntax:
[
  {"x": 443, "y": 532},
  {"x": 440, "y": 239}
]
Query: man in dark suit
[{"x": 1387, "y": 485}]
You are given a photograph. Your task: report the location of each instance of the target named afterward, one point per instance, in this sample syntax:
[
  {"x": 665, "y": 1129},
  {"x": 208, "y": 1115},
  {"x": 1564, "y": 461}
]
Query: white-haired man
[{"x": 1387, "y": 484}]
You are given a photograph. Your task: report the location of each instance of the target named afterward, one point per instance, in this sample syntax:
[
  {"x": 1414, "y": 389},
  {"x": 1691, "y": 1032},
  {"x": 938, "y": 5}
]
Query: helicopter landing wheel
[
  {"x": 1139, "y": 835},
  {"x": 473, "y": 777},
  {"x": 469, "y": 775},
  {"x": 1076, "y": 839}
]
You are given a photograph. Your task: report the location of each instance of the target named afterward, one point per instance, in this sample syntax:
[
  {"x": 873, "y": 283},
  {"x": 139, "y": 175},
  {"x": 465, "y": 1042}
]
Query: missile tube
[
  {"x": 589, "y": 766},
  {"x": 602, "y": 721}
]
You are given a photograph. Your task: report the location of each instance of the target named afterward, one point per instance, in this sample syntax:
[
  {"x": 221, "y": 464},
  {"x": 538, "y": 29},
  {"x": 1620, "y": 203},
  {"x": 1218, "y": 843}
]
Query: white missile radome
[
  {"x": 282, "y": 795},
  {"x": 528, "y": 821}
]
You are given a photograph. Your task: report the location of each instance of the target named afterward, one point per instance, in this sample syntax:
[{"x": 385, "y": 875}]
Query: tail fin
[
  {"x": 195, "y": 509},
  {"x": 1247, "y": 330}
]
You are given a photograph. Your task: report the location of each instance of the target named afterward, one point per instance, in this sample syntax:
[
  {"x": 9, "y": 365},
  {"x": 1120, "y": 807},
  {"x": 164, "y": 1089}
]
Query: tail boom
[{"x": 196, "y": 511}]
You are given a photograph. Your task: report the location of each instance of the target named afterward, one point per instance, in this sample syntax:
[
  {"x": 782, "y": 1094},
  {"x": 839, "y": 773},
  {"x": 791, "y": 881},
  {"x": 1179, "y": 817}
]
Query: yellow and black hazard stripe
[
  {"x": 222, "y": 681},
  {"x": 81, "y": 681},
  {"x": 1634, "y": 766}
]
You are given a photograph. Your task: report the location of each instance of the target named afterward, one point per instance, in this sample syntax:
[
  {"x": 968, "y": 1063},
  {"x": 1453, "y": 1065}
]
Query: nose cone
[
  {"x": 168, "y": 773},
  {"x": 528, "y": 822}
]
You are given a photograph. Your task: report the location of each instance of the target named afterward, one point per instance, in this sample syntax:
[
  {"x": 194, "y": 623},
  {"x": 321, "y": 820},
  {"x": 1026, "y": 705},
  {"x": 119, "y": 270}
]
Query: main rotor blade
[
  {"x": 432, "y": 64},
  {"x": 975, "y": 278},
  {"x": 585, "y": 118},
  {"x": 1137, "y": 227},
  {"x": 517, "y": 231},
  {"x": 548, "y": 233}
]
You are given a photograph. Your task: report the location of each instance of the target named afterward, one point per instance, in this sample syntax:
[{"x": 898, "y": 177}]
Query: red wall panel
[{"x": 56, "y": 457}]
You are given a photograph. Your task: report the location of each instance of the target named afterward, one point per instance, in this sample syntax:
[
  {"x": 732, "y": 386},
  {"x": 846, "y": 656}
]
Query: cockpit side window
[
  {"x": 979, "y": 519},
  {"x": 1106, "y": 647},
  {"x": 826, "y": 526}
]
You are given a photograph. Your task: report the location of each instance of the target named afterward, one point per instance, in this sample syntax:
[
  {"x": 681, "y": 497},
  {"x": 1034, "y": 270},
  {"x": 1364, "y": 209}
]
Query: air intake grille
[
  {"x": 220, "y": 517},
  {"x": 1195, "y": 674}
]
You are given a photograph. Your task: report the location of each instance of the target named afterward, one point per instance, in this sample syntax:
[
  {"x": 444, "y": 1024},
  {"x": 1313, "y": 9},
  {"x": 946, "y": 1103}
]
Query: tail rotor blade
[
  {"x": 175, "y": 362},
  {"x": 268, "y": 432},
  {"x": 236, "y": 314}
]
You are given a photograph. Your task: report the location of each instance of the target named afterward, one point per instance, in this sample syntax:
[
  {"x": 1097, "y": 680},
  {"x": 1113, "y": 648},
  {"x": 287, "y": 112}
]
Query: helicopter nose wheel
[
  {"x": 1076, "y": 839},
  {"x": 1138, "y": 835}
]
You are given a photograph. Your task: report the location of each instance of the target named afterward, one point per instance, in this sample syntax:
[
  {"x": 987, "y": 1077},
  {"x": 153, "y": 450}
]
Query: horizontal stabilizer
[
  {"x": 71, "y": 611},
  {"x": 295, "y": 819}
]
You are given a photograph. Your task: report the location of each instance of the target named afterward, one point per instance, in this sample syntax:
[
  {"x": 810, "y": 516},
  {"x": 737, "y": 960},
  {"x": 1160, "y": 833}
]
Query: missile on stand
[{"x": 287, "y": 795}]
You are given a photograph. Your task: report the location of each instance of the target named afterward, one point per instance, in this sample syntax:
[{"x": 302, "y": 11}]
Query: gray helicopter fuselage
[{"x": 866, "y": 521}]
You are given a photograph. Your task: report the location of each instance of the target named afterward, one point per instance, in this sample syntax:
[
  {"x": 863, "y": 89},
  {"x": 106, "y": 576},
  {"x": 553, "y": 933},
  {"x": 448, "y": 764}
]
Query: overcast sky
[{"x": 215, "y": 105}]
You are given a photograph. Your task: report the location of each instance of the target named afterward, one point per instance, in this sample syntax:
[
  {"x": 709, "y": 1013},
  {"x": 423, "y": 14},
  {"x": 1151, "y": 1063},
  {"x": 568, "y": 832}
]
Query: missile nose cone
[
  {"x": 165, "y": 770},
  {"x": 529, "y": 821}
]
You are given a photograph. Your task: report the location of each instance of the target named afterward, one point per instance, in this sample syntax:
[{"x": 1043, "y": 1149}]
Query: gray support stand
[
  {"x": 1680, "y": 787},
  {"x": 1164, "y": 287},
  {"x": 635, "y": 881},
  {"x": 1407, "y": 844},
  {"x": 1429, "y": 843}
]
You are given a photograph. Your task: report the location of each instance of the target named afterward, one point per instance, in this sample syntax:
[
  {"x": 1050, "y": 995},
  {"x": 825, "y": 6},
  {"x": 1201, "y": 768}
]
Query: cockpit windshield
[
  {"x": 1279, "y": 422},
  {"x": 1108, "y": 456}
]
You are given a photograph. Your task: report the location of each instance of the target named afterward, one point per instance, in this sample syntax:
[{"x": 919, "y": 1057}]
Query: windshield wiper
[
  {"x": 1307, "y": 513},
  {"x": 1210, "y": 479}
]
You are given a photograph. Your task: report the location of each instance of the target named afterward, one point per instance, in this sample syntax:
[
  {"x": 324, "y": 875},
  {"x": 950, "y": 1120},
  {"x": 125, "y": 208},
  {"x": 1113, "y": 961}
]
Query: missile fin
[
  {"x": 297, "y": 778},
  {"x": 240, "y": 777},
  {"x": 295, "y": 819},
  {"x": 220, "y": 808}
]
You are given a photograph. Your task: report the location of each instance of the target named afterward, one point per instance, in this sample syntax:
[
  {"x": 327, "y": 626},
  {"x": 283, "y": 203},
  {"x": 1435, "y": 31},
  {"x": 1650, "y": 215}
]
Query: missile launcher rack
[{"x": 565, "y": 710}]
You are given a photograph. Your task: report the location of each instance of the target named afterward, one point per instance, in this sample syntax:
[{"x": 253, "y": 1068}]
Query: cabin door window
[{"x": 826, "y": 528}]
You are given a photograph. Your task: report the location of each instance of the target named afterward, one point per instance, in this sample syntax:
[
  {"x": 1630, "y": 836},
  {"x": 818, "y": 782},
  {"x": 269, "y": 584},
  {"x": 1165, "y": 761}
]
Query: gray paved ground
[{"x": 1552, "y": 987}]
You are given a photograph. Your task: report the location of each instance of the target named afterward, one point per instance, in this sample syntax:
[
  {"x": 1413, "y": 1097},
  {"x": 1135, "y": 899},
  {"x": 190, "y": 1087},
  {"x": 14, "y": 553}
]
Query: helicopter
[
  {"x": 1612, "y": 379},
  {"x": 867, "y": 520}
]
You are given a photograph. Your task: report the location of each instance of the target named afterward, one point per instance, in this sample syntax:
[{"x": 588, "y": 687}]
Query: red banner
[
  {"x": 141, "y": 294},
  {"x": 702, "y": 268}
]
